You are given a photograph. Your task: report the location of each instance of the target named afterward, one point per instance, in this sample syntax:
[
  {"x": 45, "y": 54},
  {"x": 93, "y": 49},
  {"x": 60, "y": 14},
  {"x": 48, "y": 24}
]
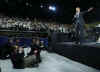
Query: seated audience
[{"x": 17, "y": 57}]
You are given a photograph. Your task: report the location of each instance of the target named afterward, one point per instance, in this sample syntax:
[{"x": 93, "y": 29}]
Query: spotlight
[{"x": 52, "y": 8}]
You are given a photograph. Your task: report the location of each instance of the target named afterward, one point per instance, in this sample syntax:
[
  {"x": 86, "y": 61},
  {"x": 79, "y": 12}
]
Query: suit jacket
[{"x": 79, "y": 20}]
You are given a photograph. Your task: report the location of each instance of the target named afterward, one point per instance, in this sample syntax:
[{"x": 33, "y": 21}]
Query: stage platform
[
  {"x": 86, "y": 53},
  {"x": 51, "y": 62},
  {"x": 92, "y": 44}
]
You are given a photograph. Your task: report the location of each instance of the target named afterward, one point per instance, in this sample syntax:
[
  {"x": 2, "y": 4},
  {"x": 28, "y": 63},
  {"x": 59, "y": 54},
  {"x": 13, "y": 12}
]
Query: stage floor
[
  {"x": 91, "y": 44},
  {"x": 51, "y": 62}
]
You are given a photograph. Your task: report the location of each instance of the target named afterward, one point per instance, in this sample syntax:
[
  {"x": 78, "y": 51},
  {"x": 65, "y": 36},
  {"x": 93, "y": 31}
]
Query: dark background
[{"x": 64, "y": 13}]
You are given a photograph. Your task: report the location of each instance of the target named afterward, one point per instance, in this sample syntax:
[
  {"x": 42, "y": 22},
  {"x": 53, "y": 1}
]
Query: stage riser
[{"x": 85, "y": 54}]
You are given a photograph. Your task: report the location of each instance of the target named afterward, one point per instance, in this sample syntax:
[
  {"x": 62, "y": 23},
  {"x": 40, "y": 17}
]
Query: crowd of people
[
  {"x": 20, "y": 24},
  {"x": 23, "y": 56}
]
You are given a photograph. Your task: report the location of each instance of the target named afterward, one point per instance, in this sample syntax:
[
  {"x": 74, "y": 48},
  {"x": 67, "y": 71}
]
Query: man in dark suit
[
  {"x": 79, "y": 24},
  {"x": 17, "y": 56},
  {"x": 38, "y": 50},
  {"x": 6, "y": 51}
]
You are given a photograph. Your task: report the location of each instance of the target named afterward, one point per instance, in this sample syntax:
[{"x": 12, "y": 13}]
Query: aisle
[{"x": 50, "y": 63}]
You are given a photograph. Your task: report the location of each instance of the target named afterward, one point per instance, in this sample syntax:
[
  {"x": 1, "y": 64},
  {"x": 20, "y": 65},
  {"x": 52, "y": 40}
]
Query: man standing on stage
[{"x": 79, "y": 24}]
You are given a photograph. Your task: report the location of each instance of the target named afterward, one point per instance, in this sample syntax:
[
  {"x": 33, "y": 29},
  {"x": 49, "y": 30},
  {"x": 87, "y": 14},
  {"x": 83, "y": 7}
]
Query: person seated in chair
[
  {"x": 6, "y": 51},
  {"x": 34, "y": 56},
  {"x": 17, "y": 57},
  {"x": 38, "y": 50}
]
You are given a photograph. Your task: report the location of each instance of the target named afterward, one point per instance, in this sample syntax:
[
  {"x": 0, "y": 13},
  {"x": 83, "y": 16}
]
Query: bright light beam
[{"x": 52, "y": 8}]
